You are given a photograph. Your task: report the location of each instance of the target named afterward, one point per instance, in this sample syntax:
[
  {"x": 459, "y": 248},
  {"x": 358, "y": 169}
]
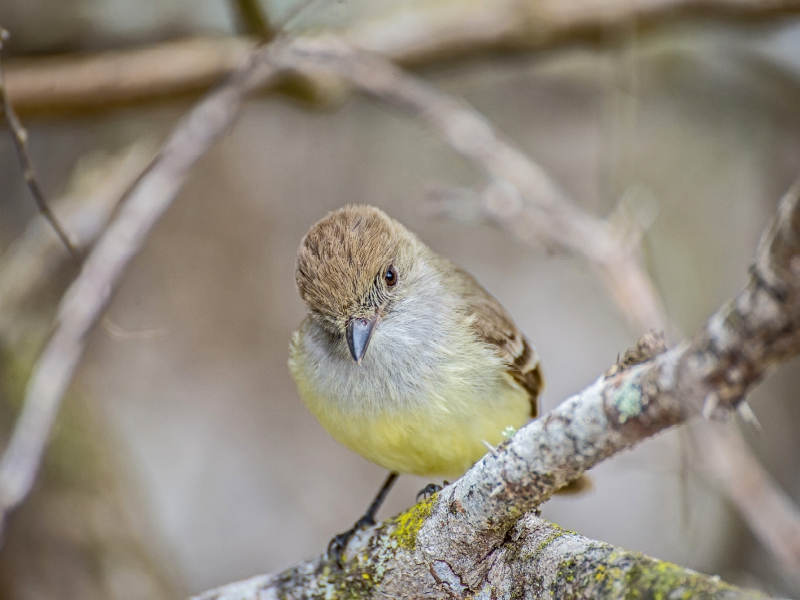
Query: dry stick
[
  {"x": 422, "y": 32},
  {"x": 545, "y": 213},
  {"x": 20, "y": 137},
  {"x": 774, "y": 517},
  {"x": 89, "y": 294}
]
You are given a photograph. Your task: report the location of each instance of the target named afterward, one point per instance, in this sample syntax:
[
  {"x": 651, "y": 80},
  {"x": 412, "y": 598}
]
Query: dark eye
[{"x": 390, "y": 276}]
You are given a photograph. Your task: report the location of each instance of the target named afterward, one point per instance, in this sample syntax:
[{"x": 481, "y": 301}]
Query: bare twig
[
  {"x": 20, "y": 137},
  {"x": 89, "y": 82},
  {"x": 86, "y": 298},
  {"x": 423, "y": 32},
  {"x": 29, "y": 264}
]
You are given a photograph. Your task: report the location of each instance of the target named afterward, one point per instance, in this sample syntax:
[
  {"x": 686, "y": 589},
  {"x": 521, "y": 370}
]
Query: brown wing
[{"x": 493, "y": 325}]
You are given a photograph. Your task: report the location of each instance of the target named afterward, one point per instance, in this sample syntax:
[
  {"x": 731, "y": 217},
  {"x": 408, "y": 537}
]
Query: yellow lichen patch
[{"x": 410, "y": 522}]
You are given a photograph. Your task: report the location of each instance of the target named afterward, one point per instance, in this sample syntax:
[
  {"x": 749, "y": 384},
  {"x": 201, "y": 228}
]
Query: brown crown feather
[{"x": 340, "y": 258}]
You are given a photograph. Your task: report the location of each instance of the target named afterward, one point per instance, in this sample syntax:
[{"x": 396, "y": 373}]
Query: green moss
[
  {"x": 559, "y": 532},
  {"x": 628, "y": 401},
  {"x": 408, "y": 524},
  {"x": 631, "y": 575},
  {"x": 661, "y": 580}
]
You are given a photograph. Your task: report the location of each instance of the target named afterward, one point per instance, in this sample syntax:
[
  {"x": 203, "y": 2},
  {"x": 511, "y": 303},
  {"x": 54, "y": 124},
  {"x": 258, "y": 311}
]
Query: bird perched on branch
[{"x": 404, "y": 358}]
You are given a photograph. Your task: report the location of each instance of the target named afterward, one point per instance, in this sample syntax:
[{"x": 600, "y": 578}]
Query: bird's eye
[{"x": 390, "y": 276}]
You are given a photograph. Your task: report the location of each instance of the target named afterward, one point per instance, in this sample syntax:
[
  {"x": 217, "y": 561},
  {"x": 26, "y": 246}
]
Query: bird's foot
[
  {"x": 338, "y": 544},
  {"x": 429, "y": 490}
]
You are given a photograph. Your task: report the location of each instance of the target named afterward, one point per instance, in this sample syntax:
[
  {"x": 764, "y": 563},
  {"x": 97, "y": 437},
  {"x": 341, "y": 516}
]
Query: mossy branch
[{"x": 536, "y": 560}]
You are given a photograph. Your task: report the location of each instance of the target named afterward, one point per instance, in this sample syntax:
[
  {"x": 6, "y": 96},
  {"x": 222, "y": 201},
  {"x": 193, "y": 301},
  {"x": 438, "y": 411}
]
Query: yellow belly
[{"x": 440, "y": 438}]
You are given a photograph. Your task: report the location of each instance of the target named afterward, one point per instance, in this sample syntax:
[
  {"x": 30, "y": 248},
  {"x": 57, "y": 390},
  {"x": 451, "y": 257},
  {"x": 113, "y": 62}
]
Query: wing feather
[{"x": 493, "y": 325}]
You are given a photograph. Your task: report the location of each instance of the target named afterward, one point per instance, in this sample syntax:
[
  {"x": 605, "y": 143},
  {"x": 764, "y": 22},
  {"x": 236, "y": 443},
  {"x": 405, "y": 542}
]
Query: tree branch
[
  {"x": 20, "y": 137},
  {"x": 30, "y": 264},
  {"x": 537, "y": 560},
  {"x": 253, "y": 19},
  {"x": 424, "y": 32}
]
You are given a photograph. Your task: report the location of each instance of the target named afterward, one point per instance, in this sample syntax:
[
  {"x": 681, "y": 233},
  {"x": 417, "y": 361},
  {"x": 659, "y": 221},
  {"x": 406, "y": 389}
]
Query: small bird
[{"x": 404, "y": 358}]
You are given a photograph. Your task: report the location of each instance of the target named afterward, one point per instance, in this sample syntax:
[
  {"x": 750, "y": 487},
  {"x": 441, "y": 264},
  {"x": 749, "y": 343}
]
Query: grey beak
[{"x": 359, "y": 333}]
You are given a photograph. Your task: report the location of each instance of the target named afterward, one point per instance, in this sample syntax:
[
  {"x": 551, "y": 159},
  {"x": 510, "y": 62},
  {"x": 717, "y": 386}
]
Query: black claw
[
  {"x": 428, "y": 491},
  {"x": 339, "y": 543}
]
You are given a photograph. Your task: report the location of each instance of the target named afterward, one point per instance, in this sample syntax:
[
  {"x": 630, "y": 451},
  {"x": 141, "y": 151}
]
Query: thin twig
[
  {"x": 767, "y": 509},
  {"x": 28, "y": 266},
  {"x": 20, "y": 137},
  {"x": 89, "y": 294}
]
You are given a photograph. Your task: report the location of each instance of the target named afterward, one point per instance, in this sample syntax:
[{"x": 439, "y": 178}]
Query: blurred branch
[
  {"x": 424, "y": 32},
  {"x": 477, "y": 535},
  {"x": 253, "y": 19},
  {"x": 20, "y": 137},
  {"x": 81, "y": 82},
  {"x": 89, "y": 294},
  {"x": 768, "y": 510},
  {"x": 32, "y": 261},
  {"x": 80, "y": 477}
]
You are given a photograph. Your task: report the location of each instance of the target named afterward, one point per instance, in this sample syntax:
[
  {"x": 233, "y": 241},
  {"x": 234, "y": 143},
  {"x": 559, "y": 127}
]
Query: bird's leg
[{"x": 339, "y": 542}]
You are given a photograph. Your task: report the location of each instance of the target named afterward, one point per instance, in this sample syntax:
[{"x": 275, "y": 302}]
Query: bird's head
[{"x": 353, "y": 267}]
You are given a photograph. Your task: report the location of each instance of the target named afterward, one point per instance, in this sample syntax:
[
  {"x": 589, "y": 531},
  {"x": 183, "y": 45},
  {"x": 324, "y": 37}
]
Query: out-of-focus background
[{"x": 184, "y": 458}]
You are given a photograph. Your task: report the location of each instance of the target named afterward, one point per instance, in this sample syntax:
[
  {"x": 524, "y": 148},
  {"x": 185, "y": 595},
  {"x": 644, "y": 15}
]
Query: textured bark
[{"x": 536, "y": 560}]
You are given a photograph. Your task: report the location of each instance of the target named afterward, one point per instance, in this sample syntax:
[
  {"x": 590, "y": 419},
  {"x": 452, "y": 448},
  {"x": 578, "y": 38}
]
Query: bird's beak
[{"x": 359, "y": 332}]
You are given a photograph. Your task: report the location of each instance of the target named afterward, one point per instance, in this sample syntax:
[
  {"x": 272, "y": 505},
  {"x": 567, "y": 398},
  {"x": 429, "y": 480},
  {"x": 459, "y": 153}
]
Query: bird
[{"x": 403, "y": 357}]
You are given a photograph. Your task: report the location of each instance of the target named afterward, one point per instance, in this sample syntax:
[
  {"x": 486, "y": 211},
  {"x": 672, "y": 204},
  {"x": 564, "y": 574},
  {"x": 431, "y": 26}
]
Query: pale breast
[{"x": 423, "y": 399}]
